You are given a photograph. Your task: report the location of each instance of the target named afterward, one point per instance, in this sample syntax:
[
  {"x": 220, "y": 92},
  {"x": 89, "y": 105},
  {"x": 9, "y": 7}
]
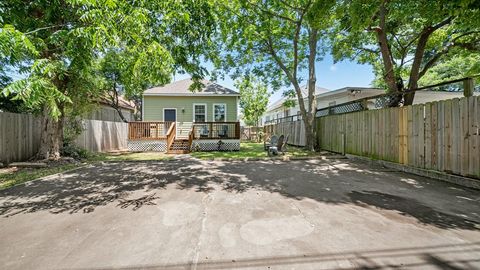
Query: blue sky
[{"x": 329, "y": 75}]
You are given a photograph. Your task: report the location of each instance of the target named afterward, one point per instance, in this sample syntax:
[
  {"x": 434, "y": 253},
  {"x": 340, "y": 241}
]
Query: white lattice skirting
[
  {"x": 213, "y": 145},
  {"x": 147, "y": 145}
]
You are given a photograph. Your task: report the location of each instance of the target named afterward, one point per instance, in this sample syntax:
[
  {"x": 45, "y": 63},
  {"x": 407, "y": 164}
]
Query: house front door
[{"x": 170, "y": 115}]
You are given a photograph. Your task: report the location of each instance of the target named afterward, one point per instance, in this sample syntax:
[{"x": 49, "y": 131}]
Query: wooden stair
[{"x": 179, "y": 146}]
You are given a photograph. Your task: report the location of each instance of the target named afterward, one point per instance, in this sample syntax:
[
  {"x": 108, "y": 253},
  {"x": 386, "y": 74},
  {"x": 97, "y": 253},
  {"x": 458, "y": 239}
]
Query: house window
[
  {"x": 199, "y": 112},
  {"x": 219, "y": 112}
]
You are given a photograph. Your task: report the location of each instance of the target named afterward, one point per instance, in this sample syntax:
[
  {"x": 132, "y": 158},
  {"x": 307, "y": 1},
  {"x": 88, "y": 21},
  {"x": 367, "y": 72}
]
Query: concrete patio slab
[{"x": 192, "y": 214}]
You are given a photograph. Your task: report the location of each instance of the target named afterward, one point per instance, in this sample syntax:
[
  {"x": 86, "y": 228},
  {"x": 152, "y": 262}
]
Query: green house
[
  {"x": 175, "y": 102},
  {"x": 177, "y": 120}
]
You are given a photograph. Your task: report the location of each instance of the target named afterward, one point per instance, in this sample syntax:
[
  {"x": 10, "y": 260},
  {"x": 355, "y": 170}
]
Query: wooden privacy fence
[
  {"x": 295, "y": 131},
  {"x": 441, "y": 136},
  {"x": 251, "y": 133},
  {"x": 19, "y": 136},
  {"x": 102, "y": 136}
]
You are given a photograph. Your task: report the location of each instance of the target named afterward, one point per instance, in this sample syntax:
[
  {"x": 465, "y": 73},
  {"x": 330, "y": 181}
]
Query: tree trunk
[
  {"x": 312, "y": 99},
  {"x": 119, "y": 111},
  {"x": 310, "y": 135},
  {"x": 50, "y": 137},
  {"x": 409, "y": 97},
  {"x": 386, "y": 53}
]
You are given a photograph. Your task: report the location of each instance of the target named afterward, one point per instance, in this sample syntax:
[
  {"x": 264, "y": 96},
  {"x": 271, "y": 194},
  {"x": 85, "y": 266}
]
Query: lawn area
[
  {"x": 12, "y": 176},
  {"x": 137, "y": 156},
  {"x": 252, "y": 150}
]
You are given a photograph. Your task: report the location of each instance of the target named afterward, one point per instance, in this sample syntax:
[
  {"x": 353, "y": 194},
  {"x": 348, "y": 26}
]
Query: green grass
[
  {"x": 130, "y": 156},
  {"x": 251, "y": 150},
  {"x": 10, "y": 178}
]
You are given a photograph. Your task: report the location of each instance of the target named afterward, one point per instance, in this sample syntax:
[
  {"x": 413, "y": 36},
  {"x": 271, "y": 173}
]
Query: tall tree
[
  {"x": 58, "y": 43},
  {"x": 451, "y": 68},
  {"x": 276, "y": 40},
  {"x": 403, "y": 39},
  {"x": 129, "y": 72},
  {"x": 253, "y": 98}
]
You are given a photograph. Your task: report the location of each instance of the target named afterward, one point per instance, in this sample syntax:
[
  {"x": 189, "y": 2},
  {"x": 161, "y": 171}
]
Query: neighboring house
[
  {"x": 425, "y": 96},
  {"x": 278, "y": 109},
  {"x": 203, "y": 120},
  {"x": 106, "y": 112},
  {"x": 331, "y": 98}
]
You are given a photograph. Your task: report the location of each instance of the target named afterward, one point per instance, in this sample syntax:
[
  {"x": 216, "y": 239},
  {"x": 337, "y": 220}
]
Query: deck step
[
  {"x": 178, "y": 152},
  {"x": 179, "y": 146}
]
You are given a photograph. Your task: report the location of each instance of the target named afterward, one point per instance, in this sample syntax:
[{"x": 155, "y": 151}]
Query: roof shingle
[{"x": 181, "y": 88}]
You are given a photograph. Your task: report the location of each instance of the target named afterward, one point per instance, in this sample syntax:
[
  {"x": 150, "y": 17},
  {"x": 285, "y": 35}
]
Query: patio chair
[
  {"x": 204, "y": 132},
  {"x": 274, "y": 150},
  {"x": 284, "y": 146},
  {"x": 223, "y": 133},
  {"x": 273, "y": 141}
]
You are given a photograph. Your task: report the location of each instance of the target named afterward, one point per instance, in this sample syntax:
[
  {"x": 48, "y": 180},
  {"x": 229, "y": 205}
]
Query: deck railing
[
  {"x": 216, "y": 130},
  {"x": 200, "y": 131},
  {"x": 148, "y": 130},
  {"x": 171, "y": 135}
]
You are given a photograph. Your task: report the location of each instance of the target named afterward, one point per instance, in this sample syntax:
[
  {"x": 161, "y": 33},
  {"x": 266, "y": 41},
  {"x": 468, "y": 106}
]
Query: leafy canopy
[
  {"x": 60, "y": 46},
  {"x": 404, "y": 39},
  {"x": 254, "y": 97}
]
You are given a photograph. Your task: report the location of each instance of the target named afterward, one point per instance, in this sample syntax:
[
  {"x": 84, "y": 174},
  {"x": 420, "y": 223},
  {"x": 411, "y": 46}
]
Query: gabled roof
[
  {"x": 122, "y": 102},
  {"x": 181, "y": 88},
  {"x": 350, "y": 89},
  {"x": 279, "y": 103}
]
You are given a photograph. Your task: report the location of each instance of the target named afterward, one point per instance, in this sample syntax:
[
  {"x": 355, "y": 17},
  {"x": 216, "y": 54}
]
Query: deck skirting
[
  {"x": 216, "y": 145},
  {"x": 197, "y": 145},
  {"x": 147, "y": 145}
]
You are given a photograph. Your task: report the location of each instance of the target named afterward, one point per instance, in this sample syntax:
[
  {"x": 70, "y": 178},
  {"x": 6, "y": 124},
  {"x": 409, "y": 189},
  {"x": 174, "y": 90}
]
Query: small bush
[{"x": 71, "y": 150}]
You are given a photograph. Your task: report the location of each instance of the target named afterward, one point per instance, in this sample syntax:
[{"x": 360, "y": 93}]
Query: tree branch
[
  {"x": 386, "y": 53},
  {"x": 285, "y": 3},
  {"x": 44, "y": 28},
  {"x": 269, "y": 12},
  {"x": 446, "y": 49},
  {"x": 289, "y": 75},
  {"x": 420, "y": 50}
]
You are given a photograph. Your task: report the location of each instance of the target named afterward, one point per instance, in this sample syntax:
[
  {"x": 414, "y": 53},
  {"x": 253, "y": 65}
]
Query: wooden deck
[
  {"x": 148, "y": 130},
  {"x": 167, "y": 131}
]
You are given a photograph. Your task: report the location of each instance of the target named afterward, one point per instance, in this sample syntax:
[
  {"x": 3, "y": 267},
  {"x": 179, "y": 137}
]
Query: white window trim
[
  {"x": 213, "y": 111},
  {"x": 143, "y": 108},
  {"x": 202, "y": 104},
  {"x": 170, "y": 109}
]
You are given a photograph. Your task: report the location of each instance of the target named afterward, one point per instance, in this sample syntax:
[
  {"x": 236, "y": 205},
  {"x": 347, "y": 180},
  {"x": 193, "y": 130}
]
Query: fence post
[
  {"x": 364, "y": 104},
  {"x": 468, "y": 85}
]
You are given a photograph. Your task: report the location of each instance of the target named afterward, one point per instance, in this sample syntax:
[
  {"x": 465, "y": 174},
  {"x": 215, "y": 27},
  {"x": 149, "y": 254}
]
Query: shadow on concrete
[
  {"x": 436, "y": 257},
  {"x": 410, "y": 207},
  {"x": 334, "y": 182}
]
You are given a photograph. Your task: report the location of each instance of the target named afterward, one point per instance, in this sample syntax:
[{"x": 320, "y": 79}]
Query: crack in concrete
[
  {"x": 302, "y": 214},
  {"x": 205, "y": 200}
]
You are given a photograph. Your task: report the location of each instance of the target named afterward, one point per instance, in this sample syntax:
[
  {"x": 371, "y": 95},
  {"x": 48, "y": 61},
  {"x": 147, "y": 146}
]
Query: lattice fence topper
[
  {"x": 350, "y": 107},
  {"x": 214, "y": 145},
  {"x": 380, "y": 102},
  {"x": 387, "y": 100},
  {"x": 147, "y": 145}
]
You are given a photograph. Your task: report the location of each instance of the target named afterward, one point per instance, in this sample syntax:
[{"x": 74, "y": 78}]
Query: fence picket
[{"x": 443, "y": 136}]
